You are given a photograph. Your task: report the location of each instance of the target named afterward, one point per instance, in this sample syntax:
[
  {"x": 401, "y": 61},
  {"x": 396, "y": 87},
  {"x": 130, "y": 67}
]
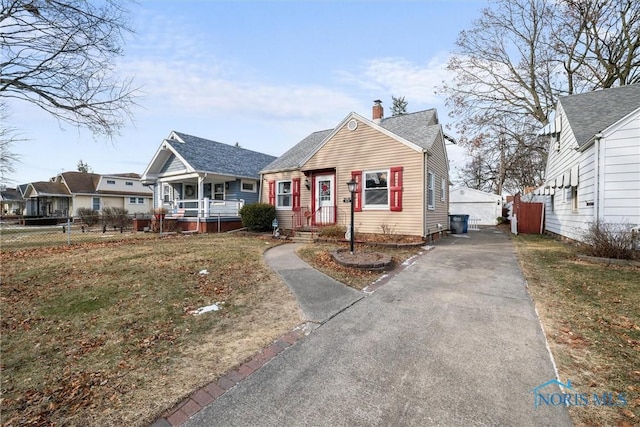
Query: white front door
[{"x": 324, "y": 198}]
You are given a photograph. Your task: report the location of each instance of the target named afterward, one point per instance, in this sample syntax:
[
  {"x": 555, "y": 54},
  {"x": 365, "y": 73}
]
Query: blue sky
[{"x": 263, "y": 74}]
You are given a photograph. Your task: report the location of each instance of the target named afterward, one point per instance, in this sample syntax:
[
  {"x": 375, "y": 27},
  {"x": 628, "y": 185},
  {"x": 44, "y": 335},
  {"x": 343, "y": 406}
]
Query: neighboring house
[
  {"x": 11, "y": 201},
  {"x": 202, "y": 181},
  {"x": 399, "y": 163},
  {"x": 483, "y": 208},
  {"x": 593, "y": 167},
  {"x": 64, "y": 194}
]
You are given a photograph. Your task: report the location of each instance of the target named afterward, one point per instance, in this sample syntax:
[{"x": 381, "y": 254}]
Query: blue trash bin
[{"x": 458, "y": 224}]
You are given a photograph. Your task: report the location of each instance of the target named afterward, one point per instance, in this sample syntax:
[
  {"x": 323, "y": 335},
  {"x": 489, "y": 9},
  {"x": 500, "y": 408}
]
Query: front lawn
[
  {"x": 319, "y": 256},
  {"x": 103, "y": 333},
  {"x": 591, "y": 316}
]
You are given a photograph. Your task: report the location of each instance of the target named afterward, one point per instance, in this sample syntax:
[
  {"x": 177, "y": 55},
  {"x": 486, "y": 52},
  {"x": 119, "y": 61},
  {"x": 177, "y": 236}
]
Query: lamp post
[{"x": 352, "y": 189}]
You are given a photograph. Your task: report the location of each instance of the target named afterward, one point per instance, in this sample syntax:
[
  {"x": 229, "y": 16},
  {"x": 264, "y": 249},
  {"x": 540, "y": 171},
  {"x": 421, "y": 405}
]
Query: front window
[
  {"x": 376, "y": 189},
  {"x": 95, "y": 205},
  {"x": 431, "y": 199},
  {"x": 283, "y": 194},
  {"x": 166, "y": 192}
]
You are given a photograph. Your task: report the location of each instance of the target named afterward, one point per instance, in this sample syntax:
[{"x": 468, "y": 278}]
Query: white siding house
[
  {"x": 593, "y": 167},
  {"x": 483, "y": 208}
]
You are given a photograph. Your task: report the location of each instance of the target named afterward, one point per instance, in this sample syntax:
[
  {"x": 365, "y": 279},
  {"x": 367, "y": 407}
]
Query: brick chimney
[{"x": 378, "y": 111}]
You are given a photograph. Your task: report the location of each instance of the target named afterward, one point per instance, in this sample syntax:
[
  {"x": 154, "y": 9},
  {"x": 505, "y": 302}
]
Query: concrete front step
[{"x": 304, "y": 237}]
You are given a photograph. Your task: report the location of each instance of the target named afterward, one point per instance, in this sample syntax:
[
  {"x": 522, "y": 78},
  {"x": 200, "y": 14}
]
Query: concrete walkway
[
  {"x": 453, "y": 340},
  {"x": 319, "y": 296}
]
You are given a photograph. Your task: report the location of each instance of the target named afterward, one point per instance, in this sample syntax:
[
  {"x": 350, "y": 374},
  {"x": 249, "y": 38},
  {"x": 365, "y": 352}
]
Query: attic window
[{"x": 111, "y": 181}]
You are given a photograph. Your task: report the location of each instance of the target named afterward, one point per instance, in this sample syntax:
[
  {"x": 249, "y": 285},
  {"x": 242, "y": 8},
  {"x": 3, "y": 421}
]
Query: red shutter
[
  {"x": 296, "y": 193},
  {"x": 357, "y": 203},
  {"x": 395, "y": 189},
  {"x": 272, "y": 193}
]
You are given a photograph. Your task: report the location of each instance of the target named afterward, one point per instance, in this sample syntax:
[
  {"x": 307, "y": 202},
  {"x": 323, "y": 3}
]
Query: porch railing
[{"x": 206, "y": 208}]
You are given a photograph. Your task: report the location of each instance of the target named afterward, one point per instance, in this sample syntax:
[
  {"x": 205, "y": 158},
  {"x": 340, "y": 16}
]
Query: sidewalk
[
  {"x": 319, "y": 296},
  {"x": 452, "y": 340}
]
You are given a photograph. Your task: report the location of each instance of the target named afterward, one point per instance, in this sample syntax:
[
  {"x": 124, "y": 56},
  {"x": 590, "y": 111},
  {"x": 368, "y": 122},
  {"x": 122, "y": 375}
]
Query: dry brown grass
[
  {"x": 319, "y": 256},
  {"x": 591, "y": 315},
  {"x": 101, "y": 334}
]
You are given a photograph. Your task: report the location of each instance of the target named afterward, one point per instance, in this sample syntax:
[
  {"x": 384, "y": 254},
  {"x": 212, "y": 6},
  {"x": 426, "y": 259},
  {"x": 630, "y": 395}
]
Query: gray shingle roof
[
  {"x": 420, "y": 128},
  {"x": 294, "y": 157},
  {"x": 205, "y": 155},
  {"x": 592, "y": 112}
]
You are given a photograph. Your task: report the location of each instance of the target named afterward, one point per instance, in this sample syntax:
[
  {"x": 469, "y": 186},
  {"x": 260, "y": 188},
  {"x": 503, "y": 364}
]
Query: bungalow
[
  {"x": 399, "y": 164},
  {"x": 64, "y": 194},
  {"x": 202, "y": 184},
  {"x": 11, "y": 202},
  {"x": 593, "y": 166}
]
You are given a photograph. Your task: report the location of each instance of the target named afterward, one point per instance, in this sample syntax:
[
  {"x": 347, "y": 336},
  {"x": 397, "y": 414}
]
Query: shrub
[
  {"x": 258, "y": 216},
  {"x": 501, "y": 220},
  {"x": 608, "y": 240},
  {"x": 332, "y": 232},
  {"x": 88, "y": 216},
  {"x": 117, "y": 217}
]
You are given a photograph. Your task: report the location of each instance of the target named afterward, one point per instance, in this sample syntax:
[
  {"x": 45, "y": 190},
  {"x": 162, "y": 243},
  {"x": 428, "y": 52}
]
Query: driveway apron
[{"x": 452, "y": 340}]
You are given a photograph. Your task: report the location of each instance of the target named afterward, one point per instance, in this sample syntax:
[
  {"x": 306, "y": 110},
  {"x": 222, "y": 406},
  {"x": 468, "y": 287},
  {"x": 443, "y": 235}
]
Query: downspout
[{"x": 596, "y": 184}]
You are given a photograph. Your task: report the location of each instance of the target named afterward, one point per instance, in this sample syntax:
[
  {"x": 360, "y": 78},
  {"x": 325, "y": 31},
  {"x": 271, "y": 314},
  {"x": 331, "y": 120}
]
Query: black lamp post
[{"x": 352, "y": 189}]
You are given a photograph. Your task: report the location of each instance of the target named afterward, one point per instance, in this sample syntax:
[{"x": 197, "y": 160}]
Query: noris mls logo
[{"x": 545, "y": 395}]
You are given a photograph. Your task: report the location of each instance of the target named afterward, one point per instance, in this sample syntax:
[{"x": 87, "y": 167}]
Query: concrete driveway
[{"x": 453, "y": 340}]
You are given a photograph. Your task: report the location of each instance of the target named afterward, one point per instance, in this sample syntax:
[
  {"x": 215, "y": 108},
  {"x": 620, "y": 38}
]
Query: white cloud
[{"x": 400, "y": 77}]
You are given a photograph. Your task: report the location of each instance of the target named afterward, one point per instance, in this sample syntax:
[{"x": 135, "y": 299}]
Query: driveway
[{"x": 453, "y": 340}]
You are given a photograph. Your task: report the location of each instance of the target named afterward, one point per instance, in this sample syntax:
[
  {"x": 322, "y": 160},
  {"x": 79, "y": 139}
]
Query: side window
[
  {"x": 95, "y": 204},
  {"x": 431, "y": 202}
]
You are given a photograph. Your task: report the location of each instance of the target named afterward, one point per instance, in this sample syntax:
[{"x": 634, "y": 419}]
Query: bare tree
[
  {"x": 8, "y": 137},
  {"x": 59, "y": 55},
  {"x": 518, "y": 57},
  {"x": 598, "y": 43}
]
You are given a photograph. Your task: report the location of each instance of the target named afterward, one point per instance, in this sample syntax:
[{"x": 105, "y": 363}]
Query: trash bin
[{"x": 458, "y": 224}]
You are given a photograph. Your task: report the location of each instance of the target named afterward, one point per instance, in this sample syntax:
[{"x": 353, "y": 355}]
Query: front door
[{"x": 324, "y": 200}]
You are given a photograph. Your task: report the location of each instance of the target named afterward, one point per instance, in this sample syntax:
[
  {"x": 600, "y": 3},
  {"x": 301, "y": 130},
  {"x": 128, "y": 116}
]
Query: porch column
[{"x": 201, "y": 196}]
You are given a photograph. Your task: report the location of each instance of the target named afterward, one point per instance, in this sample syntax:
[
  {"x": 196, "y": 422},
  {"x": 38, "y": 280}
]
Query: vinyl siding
[
  {"x": 285, "y": 216},
  {"x": 367, "y": 149},
  {"x": 620, "y": 191},
  {"x": 618, "y": 164},
  {"x": 437, "y": 163},
  {"x": 172, "y": 165}
]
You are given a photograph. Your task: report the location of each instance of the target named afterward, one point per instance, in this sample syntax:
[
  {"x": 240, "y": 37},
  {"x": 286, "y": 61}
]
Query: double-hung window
[
  {"x": 431, "y": 197},
  {"x": 95, "y": 203},
  {"x": 283, "y": 195},
  {"x": 443, "y": 190},
  {"x": 376, "y": 189}
]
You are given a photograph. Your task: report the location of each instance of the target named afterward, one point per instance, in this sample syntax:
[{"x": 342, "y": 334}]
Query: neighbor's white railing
[
  {"x": 473, "y": 224},
  {"x": 205, "y": 208}
]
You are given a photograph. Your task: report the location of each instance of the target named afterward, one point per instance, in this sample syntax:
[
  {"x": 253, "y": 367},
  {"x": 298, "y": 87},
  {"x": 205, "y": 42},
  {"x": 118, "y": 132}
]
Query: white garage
[{"x": 482, "y": 208}]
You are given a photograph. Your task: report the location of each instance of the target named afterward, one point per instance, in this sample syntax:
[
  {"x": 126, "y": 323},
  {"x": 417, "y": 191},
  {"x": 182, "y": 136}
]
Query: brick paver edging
[{"x": 207, "y": 394}]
